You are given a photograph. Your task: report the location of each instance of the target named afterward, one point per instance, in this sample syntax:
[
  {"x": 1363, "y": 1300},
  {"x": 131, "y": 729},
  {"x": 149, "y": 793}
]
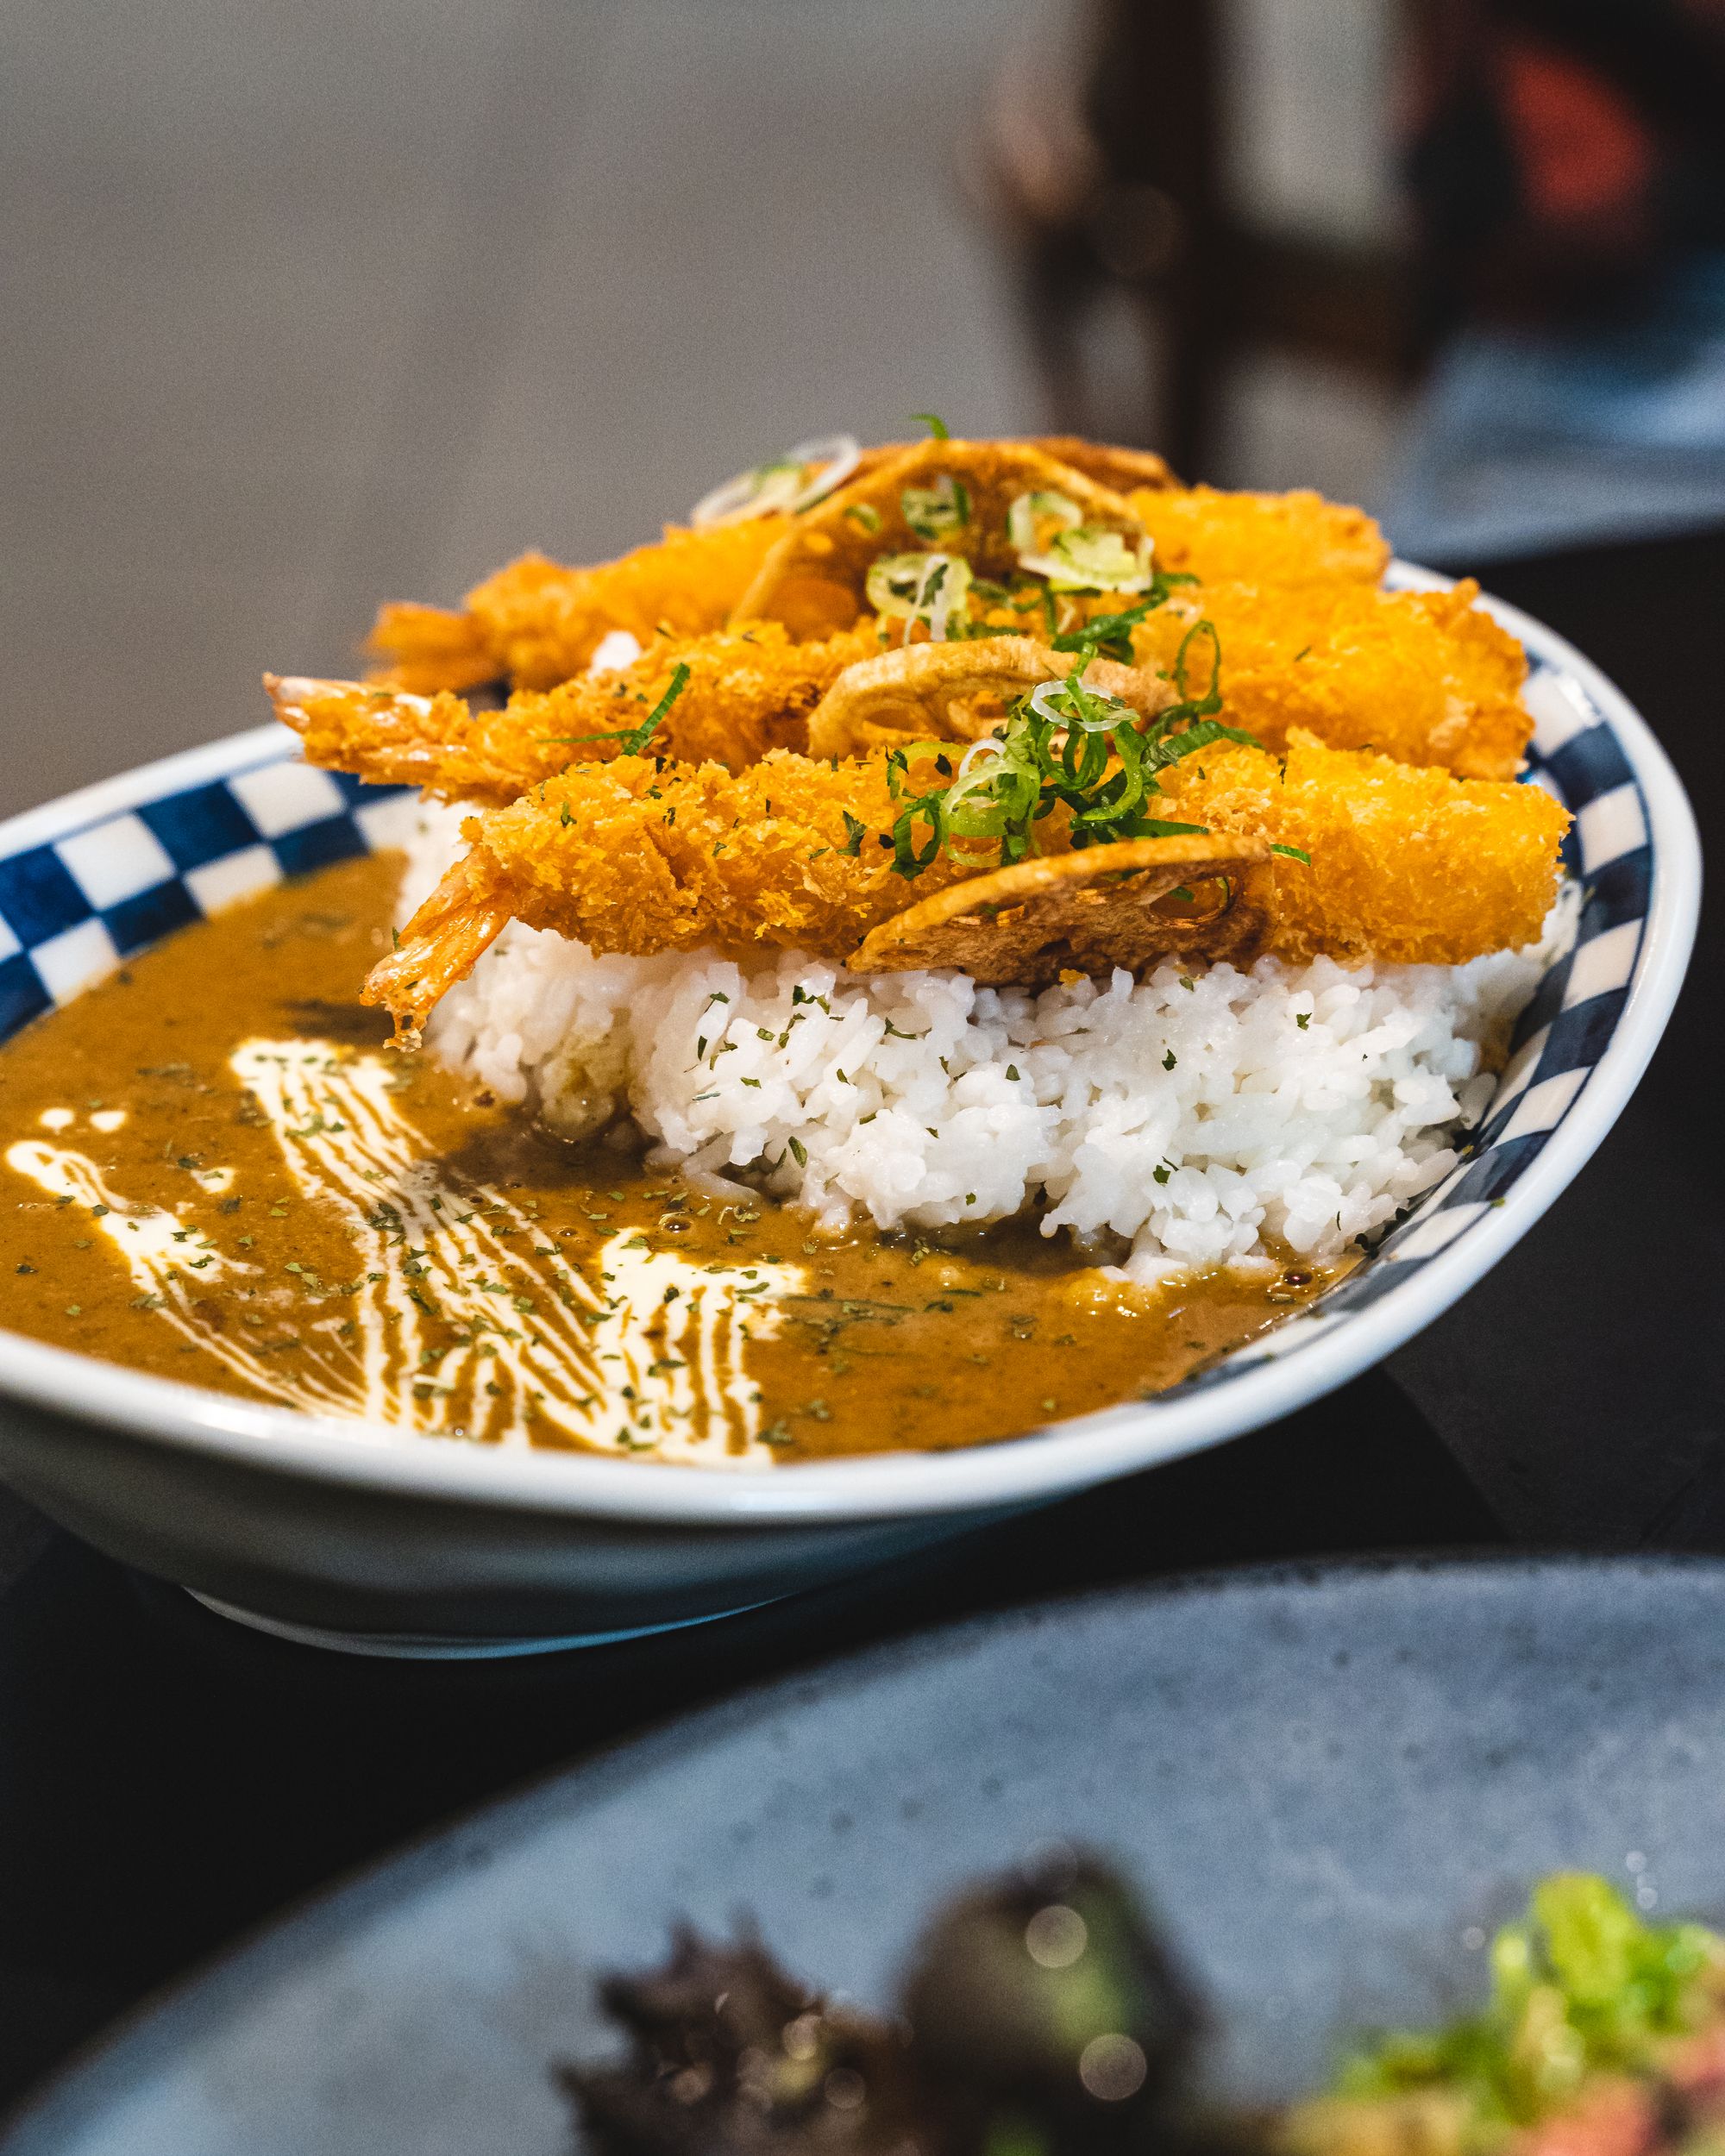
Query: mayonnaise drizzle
[{"x": 649, "y": 1357}]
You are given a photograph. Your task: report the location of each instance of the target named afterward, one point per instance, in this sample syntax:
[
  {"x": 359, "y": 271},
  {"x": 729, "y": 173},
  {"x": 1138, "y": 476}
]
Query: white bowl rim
[{"x": 1011, "y": 1472}]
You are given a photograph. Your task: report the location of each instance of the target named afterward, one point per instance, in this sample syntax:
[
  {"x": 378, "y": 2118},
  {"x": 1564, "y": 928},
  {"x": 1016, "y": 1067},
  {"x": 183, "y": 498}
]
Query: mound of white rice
[{"x": 1200, "y": 1117}]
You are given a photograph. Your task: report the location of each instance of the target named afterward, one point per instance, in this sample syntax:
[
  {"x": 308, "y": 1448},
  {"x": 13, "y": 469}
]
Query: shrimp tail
[
  {"x": 441, "y": 945},
  {"x": 388, "y": 737},
  {"x": 429, "y": 648}
]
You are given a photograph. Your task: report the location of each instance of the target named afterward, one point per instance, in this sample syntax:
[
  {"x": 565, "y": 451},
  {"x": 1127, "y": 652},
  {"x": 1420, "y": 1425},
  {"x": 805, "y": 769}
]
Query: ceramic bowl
[{"x": 329, "y": 1532}]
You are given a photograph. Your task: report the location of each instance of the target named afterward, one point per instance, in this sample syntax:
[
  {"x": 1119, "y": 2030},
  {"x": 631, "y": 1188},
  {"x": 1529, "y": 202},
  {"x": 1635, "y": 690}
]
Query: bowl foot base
[{"x": 440, "y": 1646}]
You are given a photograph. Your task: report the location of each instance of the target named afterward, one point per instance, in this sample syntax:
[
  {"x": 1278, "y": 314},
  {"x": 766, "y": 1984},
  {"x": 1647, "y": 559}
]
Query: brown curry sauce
[{"x": 879, "y": 1343}]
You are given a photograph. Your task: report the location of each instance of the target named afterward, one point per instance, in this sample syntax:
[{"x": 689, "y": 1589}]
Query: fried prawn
[
  {"x": 640, "y": 856},
  {"x": 1427, "y": 677},
  {"x": 741, "y": 693},
  {"x": 538, "y": 622},
  {"x": 1408, "y": 865},
  {"x": 1237, "y": 538}
]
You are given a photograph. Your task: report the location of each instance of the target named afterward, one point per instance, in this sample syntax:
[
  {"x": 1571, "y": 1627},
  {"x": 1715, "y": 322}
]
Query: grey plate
[{"x": 1324, "y": 1779}]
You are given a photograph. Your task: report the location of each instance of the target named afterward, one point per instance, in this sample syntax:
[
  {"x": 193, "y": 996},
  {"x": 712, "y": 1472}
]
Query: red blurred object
[
  {"x": 1584, "y": 151},
  {"x": 1559, "y": 155},
  {"x": 1562, "y": 153}
]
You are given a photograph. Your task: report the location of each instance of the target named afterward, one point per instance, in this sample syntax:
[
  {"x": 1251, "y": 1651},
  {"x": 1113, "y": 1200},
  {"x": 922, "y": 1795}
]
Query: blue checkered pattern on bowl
[
  {"x": 75, "y": 904},
  {"x": 73, "y": 908},
  {"x": 1567, "y": 1026}
]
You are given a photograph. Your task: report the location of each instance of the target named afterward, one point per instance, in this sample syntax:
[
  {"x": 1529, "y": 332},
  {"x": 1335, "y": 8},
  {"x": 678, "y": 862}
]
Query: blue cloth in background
[{"x": 1529, "y": 440}]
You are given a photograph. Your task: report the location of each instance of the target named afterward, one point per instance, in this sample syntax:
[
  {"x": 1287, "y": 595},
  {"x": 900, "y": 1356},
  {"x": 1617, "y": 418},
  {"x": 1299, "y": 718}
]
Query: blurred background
[{"x": 310, "y": 306}]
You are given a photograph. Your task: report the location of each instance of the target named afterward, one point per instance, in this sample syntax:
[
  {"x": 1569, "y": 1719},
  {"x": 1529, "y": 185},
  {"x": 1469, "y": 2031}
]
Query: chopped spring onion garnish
[
  {"x": 936, "y": 425},
  {"x": 634, "y": 739},
  {"x": 1051, "y": 539},
  {"x": 1033, "y": 519},
  {"x": 1293, "y": 853},
  {"x": 790, "y": 483},
  {"x": 1091, "y": 558},
  {"x": 933, "y": 588},
  {"x": 937, "y": 511},
  {"x": 1064, "y": 746},
  {"x": 1109, "y": 636}
]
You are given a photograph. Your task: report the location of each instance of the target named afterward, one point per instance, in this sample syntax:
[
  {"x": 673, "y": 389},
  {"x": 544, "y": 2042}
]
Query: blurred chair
[{"x": 1103, "y": 178}]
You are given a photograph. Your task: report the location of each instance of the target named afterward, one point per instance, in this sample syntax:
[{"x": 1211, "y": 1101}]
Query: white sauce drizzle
[
  {"x": 650, "y": 1357},
  {"x": 168, "y": 1264}
]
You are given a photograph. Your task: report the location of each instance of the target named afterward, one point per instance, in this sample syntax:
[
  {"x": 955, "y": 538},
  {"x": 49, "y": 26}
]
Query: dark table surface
[{"x": 168, "y": 1780}]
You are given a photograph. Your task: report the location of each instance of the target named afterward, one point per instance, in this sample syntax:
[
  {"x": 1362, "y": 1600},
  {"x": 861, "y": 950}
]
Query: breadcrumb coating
[
  {"x": 536, "y": 622},
  {"x": 1409, "y": 866},
  {"x": 1231, "y": 538},
  {"x": 674, "y": 857},
  {"x": 429, "y": 648},
  {"x": 1390, "y": 723},
  {"x": 1427, "y": 677},
  {"x": 747, "y": 690},
  {"x": 640, "y": 856}
]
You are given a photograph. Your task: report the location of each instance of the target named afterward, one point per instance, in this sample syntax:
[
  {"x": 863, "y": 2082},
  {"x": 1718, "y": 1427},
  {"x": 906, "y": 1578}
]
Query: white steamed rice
[{"x": 1201, "y": 1117}]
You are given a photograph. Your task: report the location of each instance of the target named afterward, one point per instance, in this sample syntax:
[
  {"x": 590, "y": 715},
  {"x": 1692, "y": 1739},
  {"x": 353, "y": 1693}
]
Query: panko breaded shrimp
[
  {"x": 536, "y": 622},
  {"x": 744, "y": 692},
  {"x": 1425, "y": 677},
  {"x": 641, "y": 857},
  {"x": 1235, "y": 538},
  {"x": 1407, "y": 866}
]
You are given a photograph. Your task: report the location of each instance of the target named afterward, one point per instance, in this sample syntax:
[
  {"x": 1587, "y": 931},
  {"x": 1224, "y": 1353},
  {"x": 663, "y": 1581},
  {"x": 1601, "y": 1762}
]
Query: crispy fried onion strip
[
  {"x": 1125, "y": 470},
  {"x": 1128, "y": 904},
  {"x": 952, "y": 498},
  {"x": 958, "y": 692}
]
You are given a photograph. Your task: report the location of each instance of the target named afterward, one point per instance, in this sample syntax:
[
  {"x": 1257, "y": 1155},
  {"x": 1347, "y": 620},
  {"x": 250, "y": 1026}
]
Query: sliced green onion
[
  {"x": 633, "y": 739},
  {"x": 931, "y": 587},
  {"x": 937, "y": 426},
  {"x": 1109, "y": 636},
  {"x": 787, "y": 484},
  {"x": 1089, "y": 558},
  {"x": 937, "y": 511},
  {"x": 1031, "y": 514},
  {"x": 1063, "y": 745}
]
